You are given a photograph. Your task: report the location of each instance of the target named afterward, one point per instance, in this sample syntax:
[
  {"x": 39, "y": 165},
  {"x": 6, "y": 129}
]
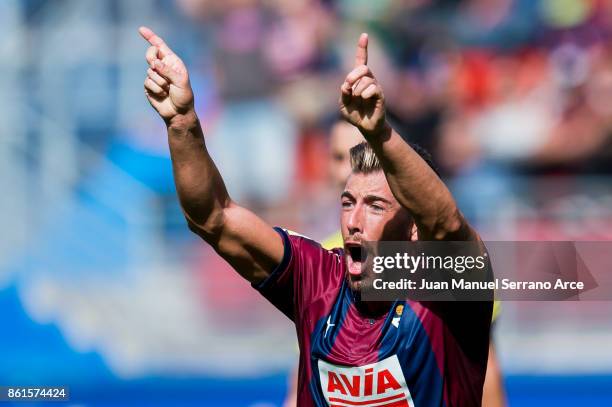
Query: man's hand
[
  {"x": 167, "y": 84},
  {"x": 362, "y": 102}
]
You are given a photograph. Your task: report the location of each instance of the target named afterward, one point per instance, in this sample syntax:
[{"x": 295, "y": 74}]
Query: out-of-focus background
[{"x": 103, "y": 288}]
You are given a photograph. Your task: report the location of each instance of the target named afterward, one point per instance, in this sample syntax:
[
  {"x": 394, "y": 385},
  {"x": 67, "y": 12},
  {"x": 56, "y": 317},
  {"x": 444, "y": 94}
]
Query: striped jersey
[{"x": 415, "y": 354}]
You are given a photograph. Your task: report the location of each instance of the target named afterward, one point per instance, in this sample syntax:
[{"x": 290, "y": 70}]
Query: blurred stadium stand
[{"x": 103, "y": 288}]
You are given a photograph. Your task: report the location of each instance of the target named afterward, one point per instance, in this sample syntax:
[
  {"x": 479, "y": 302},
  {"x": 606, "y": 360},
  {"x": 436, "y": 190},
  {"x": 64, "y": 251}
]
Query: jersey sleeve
[{"x": 306, "y": 272}]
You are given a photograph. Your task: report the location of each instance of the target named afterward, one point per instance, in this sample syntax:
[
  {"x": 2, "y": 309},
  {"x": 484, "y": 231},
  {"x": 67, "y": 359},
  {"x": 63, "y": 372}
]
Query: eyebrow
[
  {"x": 373, "y": 198},
  {"x": 367, "y": 198},
  {"x": 347, "y": 194}
]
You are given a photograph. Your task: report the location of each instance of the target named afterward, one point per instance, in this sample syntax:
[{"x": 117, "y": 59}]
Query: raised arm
[
  {"x": 413, "y": 183},
  {"x": 245, "y": 241}
]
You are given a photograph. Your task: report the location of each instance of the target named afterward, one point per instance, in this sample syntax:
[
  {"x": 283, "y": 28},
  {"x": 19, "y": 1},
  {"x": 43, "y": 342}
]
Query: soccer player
[
  {"x": 342, "y": 138},
  {"x": 352, "y": 352}
]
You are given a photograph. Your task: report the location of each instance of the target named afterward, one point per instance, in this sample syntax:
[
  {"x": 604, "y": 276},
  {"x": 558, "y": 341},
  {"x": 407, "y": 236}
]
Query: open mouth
[
  {"x": 356, "y": 256},
  {"x": 357, "y": 253}
]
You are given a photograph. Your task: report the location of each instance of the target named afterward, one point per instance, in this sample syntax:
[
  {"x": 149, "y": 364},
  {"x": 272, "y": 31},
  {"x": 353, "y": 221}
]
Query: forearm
[
  {"x": 199, "y": 185},
  {"x": 244, "y": 240},
  {"x": 413, "y": 183},
  {"x": 418, "y": 188}
]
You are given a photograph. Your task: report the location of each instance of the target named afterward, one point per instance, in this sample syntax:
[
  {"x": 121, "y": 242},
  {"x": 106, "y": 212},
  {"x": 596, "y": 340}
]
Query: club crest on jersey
[
  {"x": 380, "y": 384},
  {"x": 399, "y": 310}
]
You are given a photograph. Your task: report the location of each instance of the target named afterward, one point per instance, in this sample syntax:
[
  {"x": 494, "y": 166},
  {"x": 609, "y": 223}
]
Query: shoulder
[
  {"x": 317, "y": 272},
  {"x": 309, "y": 249}
]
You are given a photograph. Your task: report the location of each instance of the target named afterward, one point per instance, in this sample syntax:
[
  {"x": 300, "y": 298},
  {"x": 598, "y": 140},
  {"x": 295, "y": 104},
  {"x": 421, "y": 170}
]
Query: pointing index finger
[
  {"x": 155, "y": 40},
  {"x": 361, "y": 57}
]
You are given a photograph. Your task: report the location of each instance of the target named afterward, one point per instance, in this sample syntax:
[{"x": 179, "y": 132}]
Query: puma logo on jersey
[
  {"x": 329, "y": 325},
  {"x": 380, "y": 384}
]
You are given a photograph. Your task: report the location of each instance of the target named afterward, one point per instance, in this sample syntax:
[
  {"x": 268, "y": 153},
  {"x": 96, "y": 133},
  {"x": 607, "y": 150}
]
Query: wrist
[
  {"x": 182, "y": 121},
  {"x": 379, "y": 134}
]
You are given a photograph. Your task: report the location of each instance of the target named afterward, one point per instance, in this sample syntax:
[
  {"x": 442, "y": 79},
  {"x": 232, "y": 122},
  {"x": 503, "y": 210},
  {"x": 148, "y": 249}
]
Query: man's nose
[{"x": 354, "y": 223}]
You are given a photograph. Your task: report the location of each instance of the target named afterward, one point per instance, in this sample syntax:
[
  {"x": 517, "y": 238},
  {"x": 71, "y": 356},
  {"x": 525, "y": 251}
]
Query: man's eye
[
  {"x": 377, "y": 208},
  {"x": 347, "y": 204}
]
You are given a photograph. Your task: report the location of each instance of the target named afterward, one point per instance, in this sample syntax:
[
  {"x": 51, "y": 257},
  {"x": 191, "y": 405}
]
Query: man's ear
[{"x": 414, "y": 233}]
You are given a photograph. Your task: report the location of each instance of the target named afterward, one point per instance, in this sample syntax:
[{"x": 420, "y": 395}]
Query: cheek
[
  {"x": 402, "y": 229},
  {"x": 375, "y": 227},
  {"x": 388, "y": 227},
  {"x": 343, "y": 220}
]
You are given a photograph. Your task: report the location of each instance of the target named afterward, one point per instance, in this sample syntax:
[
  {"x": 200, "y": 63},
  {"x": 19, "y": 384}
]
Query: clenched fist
[
  {"x": 167, "y": 83},
  {"x": 362, "y": 102}
]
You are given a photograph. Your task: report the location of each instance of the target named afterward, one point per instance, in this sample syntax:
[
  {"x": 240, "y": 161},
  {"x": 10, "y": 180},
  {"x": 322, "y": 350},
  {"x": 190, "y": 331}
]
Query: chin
[
  {"x": 355, "y": 285},
  {"x": 360, "y": 286}
]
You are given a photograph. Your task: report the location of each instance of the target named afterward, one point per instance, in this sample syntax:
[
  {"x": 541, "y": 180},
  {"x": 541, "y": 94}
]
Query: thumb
[{"x": 174, "y": 76}]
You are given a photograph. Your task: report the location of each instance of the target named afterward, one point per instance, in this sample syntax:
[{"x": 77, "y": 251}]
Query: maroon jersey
[{"x": 417, "y": 354}]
